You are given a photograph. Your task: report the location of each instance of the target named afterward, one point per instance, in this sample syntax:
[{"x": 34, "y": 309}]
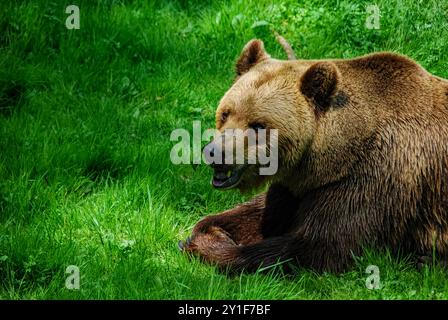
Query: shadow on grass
[
  {"x": 103, "y": 166},
  {"x": 12, "y": 95}
]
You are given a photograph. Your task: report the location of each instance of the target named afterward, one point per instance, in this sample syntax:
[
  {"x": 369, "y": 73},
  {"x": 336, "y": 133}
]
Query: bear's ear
[
  {"x": 319, "y": 83},
  {"x": 253, "y": 52}
]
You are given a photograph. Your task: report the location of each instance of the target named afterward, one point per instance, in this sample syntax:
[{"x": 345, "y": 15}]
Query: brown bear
[{"x": 362, "y": 161}]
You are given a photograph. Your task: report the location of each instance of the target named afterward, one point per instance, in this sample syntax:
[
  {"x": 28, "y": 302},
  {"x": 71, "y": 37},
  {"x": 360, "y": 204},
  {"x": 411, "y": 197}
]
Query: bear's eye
[
  {"x": 224, "y": 116},
  {"x": 257, "y": 126}
]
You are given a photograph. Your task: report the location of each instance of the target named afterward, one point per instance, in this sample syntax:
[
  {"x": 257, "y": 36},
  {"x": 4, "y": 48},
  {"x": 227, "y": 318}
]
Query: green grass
[{"x": 85, "y": 121}]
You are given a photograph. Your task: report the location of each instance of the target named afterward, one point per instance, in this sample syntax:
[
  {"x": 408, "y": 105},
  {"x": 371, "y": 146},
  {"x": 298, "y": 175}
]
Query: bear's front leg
[
  {"x": 216, "y": 247},
  {"x": 216, "y": 238},
  {"x": 242, "y": 225}
]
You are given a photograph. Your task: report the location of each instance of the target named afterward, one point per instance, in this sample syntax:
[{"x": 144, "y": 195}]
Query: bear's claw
[{"x": 184, "y": 245}]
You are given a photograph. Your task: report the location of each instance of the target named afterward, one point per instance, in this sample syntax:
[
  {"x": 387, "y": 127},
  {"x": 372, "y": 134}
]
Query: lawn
[{"x": 85, "y": 122}]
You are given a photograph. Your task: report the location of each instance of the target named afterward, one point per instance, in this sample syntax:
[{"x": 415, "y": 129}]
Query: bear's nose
[
  {"x": 211, "y": 150},
  {"x": 209, "y": 153}
]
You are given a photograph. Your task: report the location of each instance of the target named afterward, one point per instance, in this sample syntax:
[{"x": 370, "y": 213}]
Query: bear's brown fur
[{"x": 363, "y": 160}]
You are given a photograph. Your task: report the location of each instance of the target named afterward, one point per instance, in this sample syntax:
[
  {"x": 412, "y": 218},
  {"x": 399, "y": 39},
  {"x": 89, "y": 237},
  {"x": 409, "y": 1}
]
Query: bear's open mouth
[{"x": 227, "y": 179}]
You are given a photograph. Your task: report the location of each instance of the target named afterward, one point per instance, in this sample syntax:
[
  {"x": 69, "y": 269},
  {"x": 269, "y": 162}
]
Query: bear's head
[{"x": 275, "y": 105}]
